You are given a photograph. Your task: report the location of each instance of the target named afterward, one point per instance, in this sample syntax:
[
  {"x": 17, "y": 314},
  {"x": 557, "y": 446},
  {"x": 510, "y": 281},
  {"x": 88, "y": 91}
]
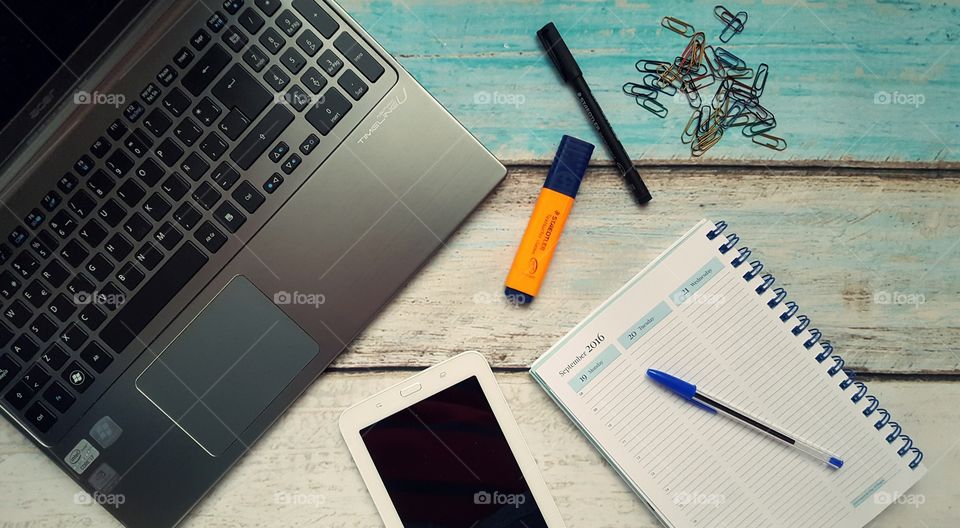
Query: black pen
[{"x": 570, "y": 72}]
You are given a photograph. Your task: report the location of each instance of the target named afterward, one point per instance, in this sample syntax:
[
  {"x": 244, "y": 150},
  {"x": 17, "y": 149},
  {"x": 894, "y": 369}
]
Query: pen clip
[{"x": 558, "y": 52}]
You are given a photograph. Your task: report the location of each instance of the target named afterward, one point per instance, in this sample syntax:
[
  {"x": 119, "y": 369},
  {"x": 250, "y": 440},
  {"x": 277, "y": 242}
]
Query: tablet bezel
[{"x": 432, "y": 381}]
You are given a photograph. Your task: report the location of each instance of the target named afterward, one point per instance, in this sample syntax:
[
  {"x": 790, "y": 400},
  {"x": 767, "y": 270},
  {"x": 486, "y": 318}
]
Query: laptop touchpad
[{"x": 224, "y": 369}]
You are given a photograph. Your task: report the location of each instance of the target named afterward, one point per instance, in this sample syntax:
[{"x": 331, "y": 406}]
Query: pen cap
[
  {"x": 569, "y": 165},
  {"x": 558, "y": 52}
]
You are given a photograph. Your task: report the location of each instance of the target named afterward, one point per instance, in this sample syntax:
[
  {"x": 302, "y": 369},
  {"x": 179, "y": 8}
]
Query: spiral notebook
[{"x": 702, "y": 311}]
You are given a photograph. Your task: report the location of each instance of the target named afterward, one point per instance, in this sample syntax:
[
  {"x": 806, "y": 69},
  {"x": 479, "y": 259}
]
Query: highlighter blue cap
[
  {"x": 836, "y": 462},
  {"x": 569, "y": 165}
]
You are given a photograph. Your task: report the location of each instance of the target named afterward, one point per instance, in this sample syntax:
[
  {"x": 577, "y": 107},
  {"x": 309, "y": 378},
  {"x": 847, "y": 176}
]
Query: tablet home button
[{"x": 407, "y": 391}]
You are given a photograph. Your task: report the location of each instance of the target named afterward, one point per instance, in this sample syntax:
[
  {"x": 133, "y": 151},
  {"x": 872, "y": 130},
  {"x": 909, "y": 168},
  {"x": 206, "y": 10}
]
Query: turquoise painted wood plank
[{"x": 828, "y": 63}]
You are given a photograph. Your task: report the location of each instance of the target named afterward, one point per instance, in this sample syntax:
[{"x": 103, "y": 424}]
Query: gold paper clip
[{"x": 677, "y": 26}]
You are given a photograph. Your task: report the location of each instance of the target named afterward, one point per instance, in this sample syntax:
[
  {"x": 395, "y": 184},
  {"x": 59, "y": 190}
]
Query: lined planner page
[{"x": 692, "y": 314}]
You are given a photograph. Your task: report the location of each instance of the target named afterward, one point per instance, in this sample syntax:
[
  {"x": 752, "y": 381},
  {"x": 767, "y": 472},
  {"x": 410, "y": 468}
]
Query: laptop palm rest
[{"x": 224, "y": 369}]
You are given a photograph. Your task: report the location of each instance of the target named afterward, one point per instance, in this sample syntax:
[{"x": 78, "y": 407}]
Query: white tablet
[{"x": 442, "y": 450}]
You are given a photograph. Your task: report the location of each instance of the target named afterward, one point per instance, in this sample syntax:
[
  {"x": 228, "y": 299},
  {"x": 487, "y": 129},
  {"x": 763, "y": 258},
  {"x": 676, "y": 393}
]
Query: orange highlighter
[{"x": 546, "y": 223}]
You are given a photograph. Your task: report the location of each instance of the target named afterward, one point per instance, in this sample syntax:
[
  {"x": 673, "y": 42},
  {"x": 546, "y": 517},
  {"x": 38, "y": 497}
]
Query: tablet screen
[{"x": 446, "y": 463}]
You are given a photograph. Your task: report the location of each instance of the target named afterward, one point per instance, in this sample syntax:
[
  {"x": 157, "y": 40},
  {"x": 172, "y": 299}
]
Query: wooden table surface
[{"x": 858, "y": 219}]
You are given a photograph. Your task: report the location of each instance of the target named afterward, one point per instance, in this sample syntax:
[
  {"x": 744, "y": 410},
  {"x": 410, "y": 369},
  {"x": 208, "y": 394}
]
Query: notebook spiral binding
[{"x": 790, "y": 311}]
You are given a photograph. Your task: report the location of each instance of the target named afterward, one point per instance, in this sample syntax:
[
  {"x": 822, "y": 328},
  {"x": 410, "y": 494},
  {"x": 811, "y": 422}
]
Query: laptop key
[
  {"x": 84, "y": 165},
  {"x": 18, "y": 236},
  {"x": 5, "y": 253},
  {"x": 34, "y": 218},
  {"x": 137, "y": 226},
  {"x": 169, "y": 152},
  {"x": 80, "y": 285},
  {"x": 93, "y": 232},
  {"x": 157, "y": 122},
  {"x": 51, "y": 200},
  {"x": 183, "y": 58},
  {"x": 43, "y": 327},
  {"x": 261, "y": 136},
  {"x": 211, "y": 237},
  {"x": 62, "y": 224},
  {"x": 59, "y": 397},
  {"x": 167, "y": 75},
  {"x": 291, "y": 164},
  {"x": 150, "y": 172},
  {"x": 206, "y": 195},
  {"x": 138, "y": 142},
  {"x": 213, "y": 146},
  {"x": 35, "y": 378},
  {"x": 17, "y": 314},
  {"x": 352, "y": 84},
  {"x": 232, "y": 6},
  {"x": 81, "y": 203},
  {"x": 316, "y": 17},
  {"x": 229, "y": 217},
  {"x": 176, "y": 102},
  {"x": 148, "y": 256},
  {"x": 279, "y": 152},
  {"x": 55, "y": 356},
  {"x": 73, "y": 337},
  {"x": 92, "y": 317},
  {"x": 206, "y": 111},
  {"x": 25, "y": 264},
  {"x": 24, "y": 347},
  {"x": 117, "y": 130},
  {"x": 131, "y": 193},
  {"x": 95, "y": 356},
  {"x": 248, "y": 197},
  {"x": 216, "y": 22},
  {"x": 225, "y": 175},
  {"x": 119, "y": 163},
  {"x": 359, "y": 57},
  {"x": 112, "y": 212},
  {"x": 309, "y": 144},
  {"x": 74, "y": 253},
  {"x": 234, "y": 124},
  {"x": 110, "y": 296},
  {"x": 55, "y": 273},
  {"x": 67, "y": 183},
  {"x": 272, "y": 41},
  {"x": 133, "y": 111},
  {"x": 255, "y": 58},
  {"x": 19, "y": 395},
  {"x": 101, "y": 184},
  {"x": 251, "y": 20},
  {"x": 62, "y": 307},
  {"x": 269, "y": 7},
  {"x": 194, "y": 166},
  {"x": 293, "y": 60},
  {"x": 175, "y": 187},
  {"x": 77, "y": 377},
  {"x": 188, "y": 131},
  {"x": 8, "y": 369},
  {"x": 168, "y": 236},
  {"x": 36, "y": 294},
  {"x": 309, "y": 43},
  {"x": 289, "y": 23},
  {"x": 330, "y": 62},
  {"x": 328, "y": 111},
  {"x": 313, "y": 80},
  {"x": 150, "y": 93},
  {"x": 156, "y": 206},
  {"x": 40, "y": 417},
  {"x": 130, "y": 276},
  {"x": 238, "y": 89},
  {"x": 200, "y": 39},
  {"x": 137, "y": 312},
  {"x": 187, "y": 216},
  {"x": 273, "y": 183},
  {"x": 234, "y": 39},
  {"x": 44, "y": 244},
  {"x": 100, "y": 147},
  {"x": 206, "y": 70},
  {"x": 276, "y": 78}
]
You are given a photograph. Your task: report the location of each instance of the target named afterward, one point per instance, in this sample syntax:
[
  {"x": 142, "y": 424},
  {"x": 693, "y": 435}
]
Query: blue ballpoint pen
[{"x": 712, "y": 404}]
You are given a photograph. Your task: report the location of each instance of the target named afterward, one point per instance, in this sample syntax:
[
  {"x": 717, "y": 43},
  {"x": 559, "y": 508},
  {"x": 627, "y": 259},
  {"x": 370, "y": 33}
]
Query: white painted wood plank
[{"x": 304, "y": 459}]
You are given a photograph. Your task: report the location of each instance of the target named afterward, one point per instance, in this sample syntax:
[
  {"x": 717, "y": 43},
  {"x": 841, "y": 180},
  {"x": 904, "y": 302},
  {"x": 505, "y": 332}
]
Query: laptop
[{"x": 203, "y": 204}]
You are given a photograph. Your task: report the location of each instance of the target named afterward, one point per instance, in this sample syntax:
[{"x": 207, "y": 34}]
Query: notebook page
[{"x": 691, "y": 313}]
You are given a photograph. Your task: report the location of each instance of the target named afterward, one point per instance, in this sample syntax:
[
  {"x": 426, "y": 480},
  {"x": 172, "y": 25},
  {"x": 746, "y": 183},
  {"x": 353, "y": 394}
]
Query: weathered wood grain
[
  {"x": 836, "y": 241},
  {"x": 304, "y": 459},
  {"x": 828, "y": 61}
]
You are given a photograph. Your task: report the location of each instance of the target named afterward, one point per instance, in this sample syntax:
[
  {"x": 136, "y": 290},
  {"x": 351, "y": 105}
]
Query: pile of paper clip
[{"x": 736, "y": 102}]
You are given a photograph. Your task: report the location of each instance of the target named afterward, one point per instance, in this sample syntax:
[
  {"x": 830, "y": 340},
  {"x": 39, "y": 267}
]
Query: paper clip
[
  {"x": 760, "y": 80},
  {"x": 733, "y": 24},
  {"x": 650, "y": 66},
  {"x": 653, "y": 106},
  {"x": 729, "y": 59},
  {"x": 770, "y": 141},
  {"x": 651, "y": 80},
  {"x": 677, "y": 26},
  {"x": 687, "y": 136},
  {"x": 640, "y": 90}
]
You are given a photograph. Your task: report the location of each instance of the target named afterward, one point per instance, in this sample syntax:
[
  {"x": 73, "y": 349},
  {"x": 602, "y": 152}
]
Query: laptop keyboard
[{"x": 159, "y": 193}]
